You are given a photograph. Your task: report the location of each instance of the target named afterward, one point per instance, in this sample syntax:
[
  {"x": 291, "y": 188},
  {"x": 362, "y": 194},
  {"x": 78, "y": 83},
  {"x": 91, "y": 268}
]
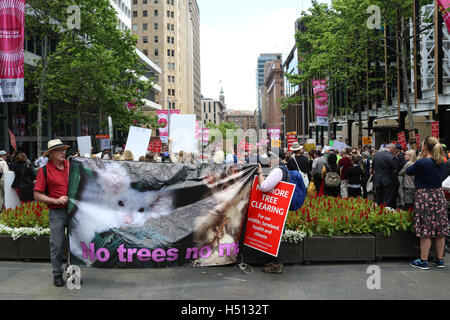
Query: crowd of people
[{"x": 392, "y": 176}]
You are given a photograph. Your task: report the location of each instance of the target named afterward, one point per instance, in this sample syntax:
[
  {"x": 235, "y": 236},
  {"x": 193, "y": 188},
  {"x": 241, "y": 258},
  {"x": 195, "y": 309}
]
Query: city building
[
  {"x": 262, "y": 59},
  {"x": 168, "y": 33},
  {"x": 274, "y": 92},
  {"x": 213, "y": 110},
  {"x": 244, "y": 120}
]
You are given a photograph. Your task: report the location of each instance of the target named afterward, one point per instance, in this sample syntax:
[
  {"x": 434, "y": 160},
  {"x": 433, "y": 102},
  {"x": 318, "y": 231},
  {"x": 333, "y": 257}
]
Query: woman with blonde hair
[
  {"x": 408, "y": 182},
  {"x": 430, "y": 207}
]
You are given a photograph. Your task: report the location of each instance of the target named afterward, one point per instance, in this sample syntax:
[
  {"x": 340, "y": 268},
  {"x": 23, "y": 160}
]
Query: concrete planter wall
[
  {"x": 290, "y": 254},
  {"x": 349, "y": 248},
  {"x": 28, "y": 248}
]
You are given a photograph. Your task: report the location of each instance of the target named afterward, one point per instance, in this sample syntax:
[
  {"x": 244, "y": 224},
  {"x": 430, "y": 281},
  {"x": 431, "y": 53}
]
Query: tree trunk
[
  {"x": 405, "y": 80},
  {"x": 41, "y": 96}
]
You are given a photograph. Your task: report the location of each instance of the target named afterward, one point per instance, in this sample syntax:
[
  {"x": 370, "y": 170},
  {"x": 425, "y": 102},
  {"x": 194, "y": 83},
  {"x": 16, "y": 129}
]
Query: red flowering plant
[
  {"x": 27, "y": 215},
  {"x": 329, "y": 216}
]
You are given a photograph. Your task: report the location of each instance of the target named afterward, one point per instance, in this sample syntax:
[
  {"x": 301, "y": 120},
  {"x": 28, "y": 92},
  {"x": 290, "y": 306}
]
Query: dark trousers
[
  {"x": 317, "y": 179},
  {"x": 383, "y": 194},
  {"x": 393, "y": 202},
  {"x": 354, "y": 192},
  {"x": 58, "y": 224},
  {"x": 364, "y": 187}
]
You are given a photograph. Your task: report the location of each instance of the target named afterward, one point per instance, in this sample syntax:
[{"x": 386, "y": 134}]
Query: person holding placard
[{"x": 267, "y": 185}]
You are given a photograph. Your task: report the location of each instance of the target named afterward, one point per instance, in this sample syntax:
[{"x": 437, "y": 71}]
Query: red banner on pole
[
  {"x": 435, "y": 129},
  {"x": 291, "y": 139},
  {"x": 267, "y": 216},
  {"x": 418, "y": 142}
]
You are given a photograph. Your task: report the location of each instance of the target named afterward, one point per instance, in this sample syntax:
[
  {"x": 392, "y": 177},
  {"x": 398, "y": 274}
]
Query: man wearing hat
[
  {"x": 300, "y": 163},
  {"x": 52, "y": 189},
  {"x": 3, "y": 169}
]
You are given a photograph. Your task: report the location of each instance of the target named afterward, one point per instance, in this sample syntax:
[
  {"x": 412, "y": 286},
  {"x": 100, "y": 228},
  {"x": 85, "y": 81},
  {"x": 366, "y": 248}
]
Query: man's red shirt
[{"x": 57, "y": 182}]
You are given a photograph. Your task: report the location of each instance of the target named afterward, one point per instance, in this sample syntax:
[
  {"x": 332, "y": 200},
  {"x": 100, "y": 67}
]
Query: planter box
[
  {"x": 9, "y": 249},
  {"x": 290, "y": 254},
  {"x": 28, "y": 248},
  {"x": 349, "y": 248},
  {"x": 399, "y": 245}
]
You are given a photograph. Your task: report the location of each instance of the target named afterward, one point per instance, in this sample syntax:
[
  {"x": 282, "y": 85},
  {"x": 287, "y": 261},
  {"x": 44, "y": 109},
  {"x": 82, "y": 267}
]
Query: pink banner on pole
[
  {"x": 12, "y": 23},
  {"x": 321, "y": 102},
  {"x": 444, "y": 6}
]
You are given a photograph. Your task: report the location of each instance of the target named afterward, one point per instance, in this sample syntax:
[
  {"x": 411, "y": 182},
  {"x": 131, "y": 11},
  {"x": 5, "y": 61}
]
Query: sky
[{"x": 233, "y": 34}]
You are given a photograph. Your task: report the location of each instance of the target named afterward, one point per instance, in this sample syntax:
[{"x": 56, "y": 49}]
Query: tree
[{"x": 94, "y": 67}]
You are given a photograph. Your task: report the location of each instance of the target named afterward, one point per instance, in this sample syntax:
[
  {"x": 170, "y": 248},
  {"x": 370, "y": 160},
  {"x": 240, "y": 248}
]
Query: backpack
[
  {"x": 332, "y": 179},
  {"x": 299, "y": 196}
]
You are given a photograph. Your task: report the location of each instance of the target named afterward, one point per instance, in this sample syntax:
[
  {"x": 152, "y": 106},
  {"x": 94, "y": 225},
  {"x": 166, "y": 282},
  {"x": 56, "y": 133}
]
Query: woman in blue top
[{"x": 430, "y": 208}]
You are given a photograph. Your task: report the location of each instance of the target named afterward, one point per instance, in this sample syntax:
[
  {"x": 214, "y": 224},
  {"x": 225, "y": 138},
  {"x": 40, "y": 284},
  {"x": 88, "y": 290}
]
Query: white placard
[
  {"x": 182, "y": 132},
  {"x": 138, "y": 141},
  {"x": 105, "y": 144},
  {"x": 11, "y": 198},
  {"x": 84, "y": 145},
  {"x": 339, "y": 146}
]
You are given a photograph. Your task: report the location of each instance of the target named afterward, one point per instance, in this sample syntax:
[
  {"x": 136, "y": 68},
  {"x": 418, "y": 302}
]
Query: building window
[
  {"x": 172, "y": 14},
  {"x": 156, "y": 52},
  {"x": 168, "y": 40},
  {"x": 172, "y": 27},
  {"x": 145, "y": 26},
  {"x": 144, "y": 13},
  {"x": 168, "y": 52},
  {"x": 168, "y": 26},
  {"x": 145, "y": 1},
  {"x": 156, "y": 13},
  {"x": 156, "y": 39},
  {"x": 135, "y": 27},
  {"x": 168, "y": 14},
  {"x": 156, "y": 26},
  {"x": 145, "y": 52},
  {"x": 135, "y": 2},
  {"x": 145, "y": 39},
  {"x": 135, "y": 14}
]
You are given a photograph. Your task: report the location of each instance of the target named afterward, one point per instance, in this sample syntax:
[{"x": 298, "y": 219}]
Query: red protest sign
[
  {"x": 267, "y": 216},
  {"x": 402, "y": 140},
  {"x": 435, "y": 129},
  {"x": 418, "y": 142},
  {"x": 291, "y": 139}
]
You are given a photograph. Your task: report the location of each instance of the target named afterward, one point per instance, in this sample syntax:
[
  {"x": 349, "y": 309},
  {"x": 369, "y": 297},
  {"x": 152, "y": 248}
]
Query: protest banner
[
  {"x": 267, "y": 216},
  {"x": 309, "y": 147},
  {"x": 339, "y": 146},
  {"x": 417, "y": 141},
  {"x": 156, "y": 215},
  {"x": 402, "y": 140},
  {"x": 84, "y": 146},
  {"x": 12, "y": 35},
  {"x": 137, "y": 141},
  {"x": 435, "y": 129},
  {"x": 291, "y": 139}
]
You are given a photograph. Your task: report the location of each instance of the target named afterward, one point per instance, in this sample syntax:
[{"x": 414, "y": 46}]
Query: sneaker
[
  {"x": 438, "y": 263},
  {"x": 423, "y": 265},
  {"x": 58, "y": 281}
]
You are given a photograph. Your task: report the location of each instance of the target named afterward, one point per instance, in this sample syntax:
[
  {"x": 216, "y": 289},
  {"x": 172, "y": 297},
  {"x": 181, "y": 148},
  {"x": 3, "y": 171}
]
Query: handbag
[{"x": 304, "y": 175}]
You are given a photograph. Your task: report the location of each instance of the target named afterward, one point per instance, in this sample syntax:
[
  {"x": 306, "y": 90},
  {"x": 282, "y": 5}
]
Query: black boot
[{"x": 58, "y": 281}]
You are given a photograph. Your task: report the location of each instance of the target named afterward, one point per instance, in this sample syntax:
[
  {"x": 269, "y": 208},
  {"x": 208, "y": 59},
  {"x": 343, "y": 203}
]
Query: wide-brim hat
[
  {"x": 55, "y": 144},
  {"x": 2, "y": 153},
  {"x": 296, "y": 147}
]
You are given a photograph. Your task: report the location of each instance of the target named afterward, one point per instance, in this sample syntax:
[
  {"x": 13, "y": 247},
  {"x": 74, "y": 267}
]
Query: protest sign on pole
[
  {"x": 137, "y": 141},
  {"x": 267, "y": 216},
  {"x": 182, "y": 133},
  {"x": 84, "y": 146},
  {"x": 402, "y": 140},
  {"x": 291, "y": 139},
  {"x": 163, "y": 118},
  {"x": 11, "y": 198},
  {"x": 435, "y": 129},
  {"x": 417, "y": 141},
  {"x": 12, "y": 26}
]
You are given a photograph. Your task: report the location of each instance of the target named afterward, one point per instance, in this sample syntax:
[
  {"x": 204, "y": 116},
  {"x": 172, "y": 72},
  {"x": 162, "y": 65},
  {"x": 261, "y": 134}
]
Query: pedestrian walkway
[{"x": 21, "y": 280}]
